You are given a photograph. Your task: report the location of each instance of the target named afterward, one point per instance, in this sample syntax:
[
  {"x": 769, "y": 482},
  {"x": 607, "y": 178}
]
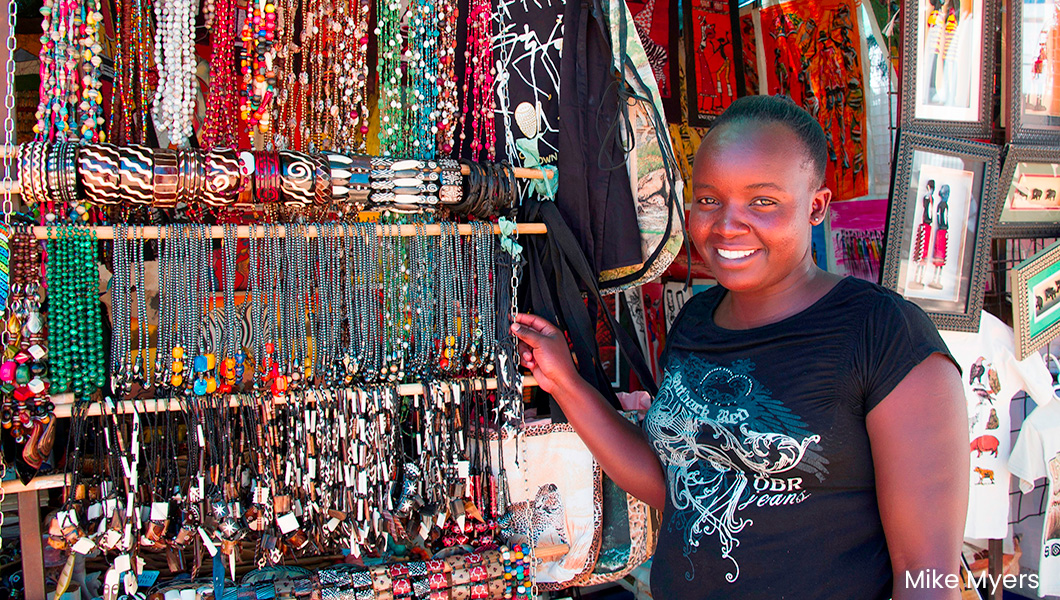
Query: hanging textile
[{"x": 813, "y": 50}]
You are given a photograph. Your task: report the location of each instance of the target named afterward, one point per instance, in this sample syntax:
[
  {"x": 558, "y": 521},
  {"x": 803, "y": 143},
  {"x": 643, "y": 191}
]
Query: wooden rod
[
  {"x": 64, "y": 402},
  {"x": 43, "y": 482},
  {"x": 106, "y": 232},
  {"x": 32, "y": 545}
]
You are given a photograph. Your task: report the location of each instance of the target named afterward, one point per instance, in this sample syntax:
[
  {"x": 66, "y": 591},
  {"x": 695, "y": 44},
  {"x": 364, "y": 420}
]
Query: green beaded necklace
[{"x": 75, "y": 334}]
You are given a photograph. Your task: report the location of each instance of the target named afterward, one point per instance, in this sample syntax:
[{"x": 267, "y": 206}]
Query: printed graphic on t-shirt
[
  {"x": 1052, "y": 516},
  {"x": 986, "y": 384},
  {"x": 727, "y": 445}
]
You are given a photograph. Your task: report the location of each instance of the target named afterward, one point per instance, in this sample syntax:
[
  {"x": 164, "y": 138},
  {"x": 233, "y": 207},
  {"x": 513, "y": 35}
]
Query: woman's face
[{"x": 755, "y": 200}]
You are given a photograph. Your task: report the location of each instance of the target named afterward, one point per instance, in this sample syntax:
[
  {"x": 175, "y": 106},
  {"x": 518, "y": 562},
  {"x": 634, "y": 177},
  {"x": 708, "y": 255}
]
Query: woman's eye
[
  {"x": 763, "y": 202},
  {"x": 707, "y": 200}
]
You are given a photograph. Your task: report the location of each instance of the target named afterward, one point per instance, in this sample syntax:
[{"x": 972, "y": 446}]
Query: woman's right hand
[{"x": 543, "y": 349}]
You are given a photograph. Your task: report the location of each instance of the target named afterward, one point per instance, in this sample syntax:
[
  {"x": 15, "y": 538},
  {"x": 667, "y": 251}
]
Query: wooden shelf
[
  {"x": 44, "y": 482},
  {"x": 106, "y": 232},
  {"x": 64, "y": 403}
]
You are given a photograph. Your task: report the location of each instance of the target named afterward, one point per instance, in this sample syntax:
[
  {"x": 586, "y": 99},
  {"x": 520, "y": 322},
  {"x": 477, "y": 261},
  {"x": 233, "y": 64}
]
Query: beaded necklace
[
  {"x": 174, "y": 102},
  {"x": 70, "y": 104},
  {"x": 285, "y": 110},
  {"x": 392, "y": 136},
  {"x": 75, "y": 336},
  {"x": 128, "y": 124},
  {"x": 350, "y": 101},
  {"x": 479, "y": 78},
  {"x": 448, "y": 107},
  {"x": 219, "y": 128},
  {"x": 259, "y": 65}
]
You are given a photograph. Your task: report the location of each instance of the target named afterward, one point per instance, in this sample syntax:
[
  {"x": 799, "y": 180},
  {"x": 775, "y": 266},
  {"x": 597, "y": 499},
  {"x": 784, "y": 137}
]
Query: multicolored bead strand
[
  {"x": 479, "y": 78},
  {"x": 174, "y": 105},
  {"x": 258, "y": 65},
  {"x": 219, "y": 129}
]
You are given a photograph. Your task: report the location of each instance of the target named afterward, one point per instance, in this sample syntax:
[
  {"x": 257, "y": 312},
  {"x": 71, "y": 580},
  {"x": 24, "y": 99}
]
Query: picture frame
[
  {"x": 947, "y": 56},
  {"x": 943, "y": 206},
  {"x": 1029, "y": 192},
  {"x": 1036, "y": 300},
  {"x": 1033, "y": 55},
  {"x": 713, "y": 58}
]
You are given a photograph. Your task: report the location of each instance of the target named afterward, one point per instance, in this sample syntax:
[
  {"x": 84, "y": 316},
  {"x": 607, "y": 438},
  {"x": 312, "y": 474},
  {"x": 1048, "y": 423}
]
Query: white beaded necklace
[{"x": 174, "y": 103}]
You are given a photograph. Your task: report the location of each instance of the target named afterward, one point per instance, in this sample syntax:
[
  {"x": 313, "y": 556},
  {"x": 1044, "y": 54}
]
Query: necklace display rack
[{"x": 65, "y": 405}]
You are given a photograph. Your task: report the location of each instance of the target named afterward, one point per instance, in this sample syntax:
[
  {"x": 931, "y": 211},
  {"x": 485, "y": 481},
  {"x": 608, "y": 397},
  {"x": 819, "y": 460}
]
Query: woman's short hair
[{"x": 780, "y": 109}]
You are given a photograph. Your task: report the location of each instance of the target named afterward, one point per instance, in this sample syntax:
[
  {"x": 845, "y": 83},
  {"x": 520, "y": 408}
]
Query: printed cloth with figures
[
  {"x": 992, "y": 376},
  {"x": 761, "y": 433},
  {"x": 1036, "y": 455}
]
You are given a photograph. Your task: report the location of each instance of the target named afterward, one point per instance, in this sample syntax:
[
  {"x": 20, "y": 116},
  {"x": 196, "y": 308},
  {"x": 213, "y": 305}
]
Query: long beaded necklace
[
  {"x": 479, "y": 79},
  {"x": 174, "y": 102},
  {"x": 392, "y": 136},
  {"x": 448, "y": 107},
  {"x": 350, "y": 101},
  {"x": 75, "y": 336},
  {"x": 259, "y": 65},
  {"x": 286, "y": 110},
  {"x": 132, "y": 57},
  {"x": 70, "y": 100},
  {"x": 219, "y": 129}
]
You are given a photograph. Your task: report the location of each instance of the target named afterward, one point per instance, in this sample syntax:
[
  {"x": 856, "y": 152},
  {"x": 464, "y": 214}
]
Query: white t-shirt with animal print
[
  {"x": 992, "y": 376},
  {"x": 1037, "y": 455}
]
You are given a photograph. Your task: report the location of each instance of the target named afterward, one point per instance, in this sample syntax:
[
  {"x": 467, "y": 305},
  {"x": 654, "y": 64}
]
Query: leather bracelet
[
  {"x": 166, "y": 171},
  {"x": 451, "y": 191},
  {"x": 136, "y": 168},
  {"x": 68, "y": 173},
  {"x": 100, "y": 173},
  {"x": 26, "y": 166}
]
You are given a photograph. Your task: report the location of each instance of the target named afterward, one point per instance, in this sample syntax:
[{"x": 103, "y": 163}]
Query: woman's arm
[
  {"x": 618, "y": 445},
  {"x": 919, "y": 444}
]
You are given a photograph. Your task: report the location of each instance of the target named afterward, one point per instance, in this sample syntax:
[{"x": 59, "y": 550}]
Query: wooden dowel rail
[
  {"x": 64, "y": 403},
  {"x": 106, "y": 232}
]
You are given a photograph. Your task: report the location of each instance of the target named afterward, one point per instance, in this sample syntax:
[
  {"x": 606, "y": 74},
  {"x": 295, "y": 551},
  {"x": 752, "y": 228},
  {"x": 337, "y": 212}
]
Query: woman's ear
[{"x": 819, "y": 205}]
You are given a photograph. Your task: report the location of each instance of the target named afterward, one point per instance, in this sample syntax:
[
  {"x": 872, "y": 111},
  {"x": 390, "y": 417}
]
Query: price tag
[
  {"x": 95, "y": 511},
  {"x": 261, "y": 495},
  {"x": 122, "y": 563},
  {"x": 84, "y": 546}
]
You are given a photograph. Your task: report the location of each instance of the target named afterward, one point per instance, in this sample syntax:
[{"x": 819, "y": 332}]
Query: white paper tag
[
  {"x": 439, "y": 519},
  {"x": 362, "y": 482},
  {"x": 131, "y": 583},
  {"x": 84, "y": 546},
  {"x": 66, "y": 518},
  {"x": 94, "y": 511},
  {"x": 425, "y": 529},
  {"x": 463, "y": 469},
  {"x": 202, "y": 437},
  {"x": 159, "y": 511},
  {"x": 195, "y": 491},
  {"x": 287, "y": 523},
  {"x": 122, "y": 563},
  {"x": 296, "y": 507},
  {"x": 171, "y": 595},
  {"x": 312, "y": 468},
  {"x": 206, "y": 541}
]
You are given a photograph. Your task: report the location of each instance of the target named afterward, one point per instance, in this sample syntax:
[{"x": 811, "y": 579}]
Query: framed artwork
[
  {"x": 653, "y": 20},
  {"x": 812, "y": 52},
  {"x": 943, "y": 206},
  {"x": 713, "y": 58},
  {"x": 1033, "y": 54},
  {"x": 1030, "y": 192},
  {"x": 948, "y": 47},
  {"x": 1036, "y": 300},
  {"x": 855, "y": 238}
]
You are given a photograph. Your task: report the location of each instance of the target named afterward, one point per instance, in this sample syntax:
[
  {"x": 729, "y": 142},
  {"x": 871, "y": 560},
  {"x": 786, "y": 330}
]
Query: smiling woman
[{"x": 807, "y": 438}]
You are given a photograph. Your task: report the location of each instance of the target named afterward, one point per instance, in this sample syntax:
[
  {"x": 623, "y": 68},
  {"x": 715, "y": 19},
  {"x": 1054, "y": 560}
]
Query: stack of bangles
[{"x": 67, "y": 179}]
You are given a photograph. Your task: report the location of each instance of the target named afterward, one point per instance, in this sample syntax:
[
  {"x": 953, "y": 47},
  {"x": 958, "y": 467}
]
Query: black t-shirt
[{"x": 770, "y": 489}]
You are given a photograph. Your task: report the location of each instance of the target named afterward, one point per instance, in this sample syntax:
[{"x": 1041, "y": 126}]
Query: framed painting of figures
[
  {"x": 813, "y": 56},
  {"x": 653, "y": 20},
  {"x": 948, "y": 47},
  {"x": 713, "y": 58},
  {"x": 943, "y": 206},
  {"x": 1034, "y": 71}
]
